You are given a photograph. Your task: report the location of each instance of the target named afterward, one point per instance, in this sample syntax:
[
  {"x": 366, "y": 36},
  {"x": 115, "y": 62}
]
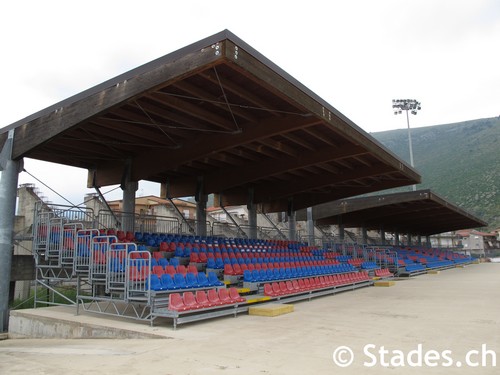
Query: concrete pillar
[
  {"x": 409, "y": 239},
  {"x": 252, "y": 215},
  {"x": 201, "y": 216},
  {"x": 310, "y": 227},
  {"x": 419, "y": 240},
  {"x": 201, "y": 209},
  {"x": 128, "y": 220},
  {"x": 396, "y": 238},
  {"x": 364, "y": 234},
  {"x": 341, "y": 232},
  {"x": 428, "y": 241},
  {"x": 8, "y": 193},
  {"x": 382, "y": 235},
  {"x": 292, "y": 225}
]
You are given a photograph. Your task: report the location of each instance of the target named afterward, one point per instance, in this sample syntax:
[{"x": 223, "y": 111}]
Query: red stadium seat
[
  {"x": 268, "y": 290},
  {"x": 176, "y": 303},
  {"x": 224, "y": 296},
  {"x": 201, "y": 298},
  {"x": 190, "y": 301},
  {"x": 235, "y": 296},
  {"x": 213, "y": 297}
]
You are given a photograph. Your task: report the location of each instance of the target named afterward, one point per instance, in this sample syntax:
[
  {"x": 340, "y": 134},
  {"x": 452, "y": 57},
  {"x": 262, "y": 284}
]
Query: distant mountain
[{"x": 460, "y": 162}]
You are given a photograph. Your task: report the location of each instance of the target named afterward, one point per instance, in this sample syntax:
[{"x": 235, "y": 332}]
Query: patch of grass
[{"x": 44, "y": 295}]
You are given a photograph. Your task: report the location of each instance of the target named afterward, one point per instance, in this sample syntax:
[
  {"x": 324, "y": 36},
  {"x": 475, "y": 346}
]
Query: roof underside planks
[
  {"x": 419, "y": 212},
  {"x": 215, "y": 112}
]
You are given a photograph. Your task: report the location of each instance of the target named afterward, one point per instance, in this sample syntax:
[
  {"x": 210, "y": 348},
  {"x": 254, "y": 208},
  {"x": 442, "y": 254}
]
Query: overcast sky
[{"x": 357, "y": 55}]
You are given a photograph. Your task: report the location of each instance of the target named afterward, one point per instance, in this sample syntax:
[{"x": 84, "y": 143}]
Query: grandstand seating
[{"x": 186, "y": 268}]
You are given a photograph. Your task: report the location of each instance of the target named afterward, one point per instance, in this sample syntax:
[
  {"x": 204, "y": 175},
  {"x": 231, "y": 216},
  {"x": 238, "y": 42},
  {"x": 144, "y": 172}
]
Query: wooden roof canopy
[
  {"x": 420, "y": 212},
  {"x": 216, "y": 112}
]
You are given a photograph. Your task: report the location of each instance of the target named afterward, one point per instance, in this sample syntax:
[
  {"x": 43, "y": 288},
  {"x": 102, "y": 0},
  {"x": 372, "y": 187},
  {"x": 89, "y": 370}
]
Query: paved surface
[{"x": 457, "y": 310}]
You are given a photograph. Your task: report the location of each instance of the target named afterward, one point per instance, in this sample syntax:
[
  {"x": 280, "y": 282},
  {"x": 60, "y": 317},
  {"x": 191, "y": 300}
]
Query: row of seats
[
  {"x": 439, "y": 263},
  {"x": 415, "y": 267},
  {"x": 171, "y": 270},
  {"x": 185, "y": 240},
  {"x": 369, "y": 266},
  {"x": 203, "y": 300},
  {"x": 179, "y": 281},
  {"x": 266, "y": 262},
  {"x": 356, "y": 262},
  {"x": 383, "y": 272},
  {"x": 281, "y": 288},
  {"x": 239, "y": 269},
  {"x": 292, "y": 273}
]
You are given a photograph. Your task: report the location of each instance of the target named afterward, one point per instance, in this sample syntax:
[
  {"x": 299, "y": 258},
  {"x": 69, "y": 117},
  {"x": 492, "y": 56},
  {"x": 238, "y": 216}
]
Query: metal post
[
  {"x": 382, "y": 235},
  {"x": 396, "y": 238},
  {"x": 8, "y": 192},
  {"x": 414, "y": 106},
  {"x": 410, "y": 145},
  {"x": 310, "y": 226}
]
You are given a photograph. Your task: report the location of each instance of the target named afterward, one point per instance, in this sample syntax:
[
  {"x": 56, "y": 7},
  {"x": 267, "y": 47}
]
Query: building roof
[
  {"x": 213, "y": 117},
  {"x": 468, "y": 232},
  {"x": 420, "y": 212},
  {"x": 152, "y": 199}
]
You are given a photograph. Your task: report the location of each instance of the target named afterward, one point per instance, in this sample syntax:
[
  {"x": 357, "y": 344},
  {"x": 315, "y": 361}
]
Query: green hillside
[{"x": 460, "y": 162}]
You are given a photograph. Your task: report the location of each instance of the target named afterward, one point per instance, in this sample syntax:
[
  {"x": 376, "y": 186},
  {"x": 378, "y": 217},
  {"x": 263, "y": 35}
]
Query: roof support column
[
  {"x": 8, "y": 192},
  {"x": 428, "y": 241},
  {"x": 419, "y": 240},
  {"x": 129, "y": 188},
  {"x": 252, "y": 214},
  {"x": 201, "y": 208},
  {"x": 292, "y": 225},
  {"x": 382, "y": 235},
  {"x": 396, "y": 238},
  {"x": 409, "y": 239},
  {"x": 364, "y": 234},
  {"x": 310, "y": 226},
  {"x": 341, "y": 233}
]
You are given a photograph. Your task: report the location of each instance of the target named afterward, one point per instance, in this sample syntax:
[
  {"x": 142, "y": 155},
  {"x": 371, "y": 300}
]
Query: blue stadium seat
[
  {"x": 202, "y": 280},
  {"x": 270, "y": 274},
  {"x": 167, "y": 282},
  {"x": 155, "y": 283},
  {"x": 180, "y": 281},
  {"x": 248, "y": 277},
  {"x": 191, "y": 280},
  {"x": 211, "y": 263},
  {"x": 263, "y": 275},
  {"x": 213, "y": 280},
  {"x": 174, "y": 262},
  {"x": 276, "y": 274},
  {"x": 219, "y": 263},
  {"x": 256, "y": 275}
]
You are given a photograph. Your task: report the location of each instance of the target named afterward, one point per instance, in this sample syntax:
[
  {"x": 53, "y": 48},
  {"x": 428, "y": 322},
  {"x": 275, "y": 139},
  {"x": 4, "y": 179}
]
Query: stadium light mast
[{"x": 412, "y": 105}]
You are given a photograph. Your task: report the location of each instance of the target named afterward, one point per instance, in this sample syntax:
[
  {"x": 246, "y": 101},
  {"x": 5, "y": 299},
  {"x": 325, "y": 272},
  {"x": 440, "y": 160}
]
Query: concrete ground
[{"x": 432, "y": 322}]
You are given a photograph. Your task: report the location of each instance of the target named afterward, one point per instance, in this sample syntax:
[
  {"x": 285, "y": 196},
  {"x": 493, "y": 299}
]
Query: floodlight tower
[{"x": 400, "y": 105}]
